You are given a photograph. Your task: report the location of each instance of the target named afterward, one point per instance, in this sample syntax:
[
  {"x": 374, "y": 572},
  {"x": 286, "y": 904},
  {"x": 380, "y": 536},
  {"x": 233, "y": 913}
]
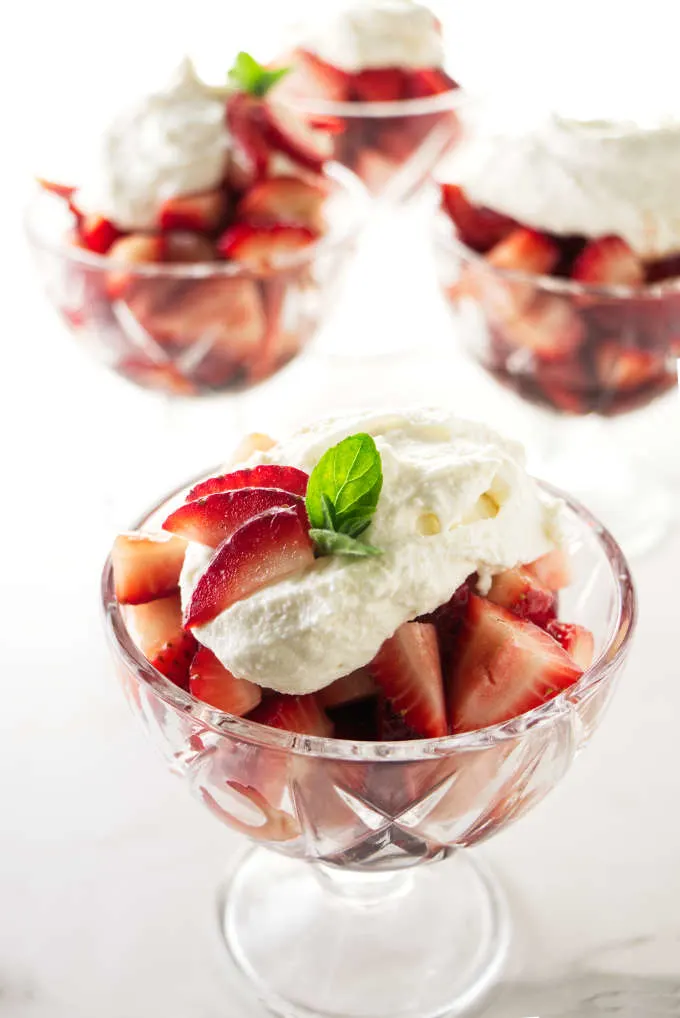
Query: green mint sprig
[
  {"x": 342, "y": 496},
  {"x": 248, "y": 76}
]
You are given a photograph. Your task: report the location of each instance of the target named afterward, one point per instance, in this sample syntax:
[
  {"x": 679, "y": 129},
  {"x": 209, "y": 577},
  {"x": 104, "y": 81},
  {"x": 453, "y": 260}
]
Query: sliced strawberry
[
  {"x": 550, "y": 328},
  {"x": 264, "y": 248},
  {"x": 553, "y": 569},
  {"x": 61, "y": 190},
  {"x": 505, "y": 667},
  {"x": 379, "y": 85},
  {"x": 245, "y": 120},
  {"x": 608, "y": 261},
  {"x": 289, "y": 133},
  {"x": 356, "y": 686},
  {"x": 202, "y": 212},
  {"x": 626, "y": 368},
  {"x": 266, "y": 475},
  {"x": 97, "y": 233},
  {"x": 157, "y": 630},
  {"x": 478, "y": 227},
  {"x": 287, "y": 200},
  {"x": 146, "y": 566},
  {"x": 421, "y": 84},
  {"x": 408, "y": 670},
  {"x": 211, "y": 682},
  {"x": 136, "y": 249},
  {"x": 521, "y": 593},
  {"x": 185, "y": 247},
  {"x": 578, "y": 642},
  {"x": 315, "y": 78},
  {"x": 301, "y": 714},
  {"x": 525, "y": 251},
  {"x": 264, "y": 550},
  {"x": 215, "y": 518}
]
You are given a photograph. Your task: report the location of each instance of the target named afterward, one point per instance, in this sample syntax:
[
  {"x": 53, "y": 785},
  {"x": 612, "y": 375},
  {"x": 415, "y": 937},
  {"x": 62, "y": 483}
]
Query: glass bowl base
[{"x": 320, "y": 942}]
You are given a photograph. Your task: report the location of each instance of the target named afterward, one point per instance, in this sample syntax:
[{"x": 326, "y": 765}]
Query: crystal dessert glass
[
  {"x": 200, "y": 328},
  {"x": 360, "y": 897}
]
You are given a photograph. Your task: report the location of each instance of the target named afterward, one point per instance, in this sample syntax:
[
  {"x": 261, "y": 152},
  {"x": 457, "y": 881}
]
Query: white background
[{"x": 107, "y": 868}]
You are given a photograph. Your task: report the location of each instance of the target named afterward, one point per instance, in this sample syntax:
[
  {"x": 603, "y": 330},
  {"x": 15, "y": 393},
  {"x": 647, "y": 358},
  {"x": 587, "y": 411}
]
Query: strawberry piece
[
  {"x": 97, "y": 233},
  {"x": 266, "y": 475},
  {"x": 146, "y": 566},
  {"x": 136, "y": 249},
  {"x": 478, "y": 227},
  {"x": 264, "y": 249},
  {"x": 358, "y": 685},
  {"x": 608, "y": 261},
  {"x": 61, "y": 190},
  {"x": 505, "y": 667},
  {"x": 212, "y": 683},
  {"x": 264, "y": 550},
  {"x": 188, "y": 248},
  {"x": 421, "y": 84},
  {"x": 301, "y": 714},
  {"x": 552, "y": 570},
  {"x": 289, "y": 133},
  {"x": 315, "y": 78},
  {"x": 449, "y": 617},
  {"x": 521, "y": 593},
  {"x": 550, "y": 328},
  {"x": 245, "y": 120},
  {"x": 626, "y": 368},
  {"x": 578, "y": 642},
  {"x": 380, "y": 84},
  {"x": 525, "y": 251},
  {"x": 157, "y": 630},
  {"x": 287, "y": 200},
  {"x": 215, "y": 518},
  {"x": 408, "y": 670},
  {"x": 202, "y": 212}
]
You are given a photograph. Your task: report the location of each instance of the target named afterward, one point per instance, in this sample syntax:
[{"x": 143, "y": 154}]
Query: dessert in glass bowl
[
  {"x": 373, "y": 73},
  {"x": 364, "y": 647},
  {"x": 558, "y": 250},
  {"x": 203, "y": 249}
]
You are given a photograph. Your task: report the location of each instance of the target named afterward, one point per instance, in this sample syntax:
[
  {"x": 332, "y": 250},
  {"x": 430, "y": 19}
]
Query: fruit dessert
[
  {"x": 378, "y": 51},
  {"x": 570, "y": 247},
  {"x": 203, "y": 211},
  {"x": 376, "y": 577}
]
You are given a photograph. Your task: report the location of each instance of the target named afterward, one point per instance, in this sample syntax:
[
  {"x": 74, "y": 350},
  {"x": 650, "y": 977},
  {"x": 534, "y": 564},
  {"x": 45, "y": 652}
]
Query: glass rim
[
  {"x": 226, "y": 724},
  {"x": 451, "y": 99},
  {"x": 446, "y": 236},
  {"x": 347, "y": 181}
]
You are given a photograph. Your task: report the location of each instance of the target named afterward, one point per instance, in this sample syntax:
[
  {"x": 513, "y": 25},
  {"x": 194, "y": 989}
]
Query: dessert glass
[
  {"x": 195, "y": 329},
  {"x": 335, "y": 912}
]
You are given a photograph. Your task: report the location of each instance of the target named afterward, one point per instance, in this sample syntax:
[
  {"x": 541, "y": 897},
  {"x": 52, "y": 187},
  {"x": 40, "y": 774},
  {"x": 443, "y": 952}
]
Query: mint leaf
[
  {"x": 249, "y": 76},
  {"x": 330, "y": 542},
  {"x": 345, "y": 486}
]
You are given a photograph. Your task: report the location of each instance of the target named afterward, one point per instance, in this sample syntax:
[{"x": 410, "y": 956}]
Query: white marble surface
[{"x": 107, "y": 868}]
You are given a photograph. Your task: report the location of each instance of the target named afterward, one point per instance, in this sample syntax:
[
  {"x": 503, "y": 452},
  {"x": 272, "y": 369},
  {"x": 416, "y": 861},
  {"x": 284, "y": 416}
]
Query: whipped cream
[
  {"x": 567, "y": 175},
  {"x": 170, "y": 142},
  {"x": 456, "y": 499},
  {"x": 378, "y": 33}
]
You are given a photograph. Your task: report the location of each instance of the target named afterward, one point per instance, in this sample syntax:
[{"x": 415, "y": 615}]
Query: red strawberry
[
  {"x": 408, "y": 670},
  {"x": 61, "y": 190},
  {"x": 578, "y": 642},
  {"x": 287, "y": 200},
  {"x": 136, "y": 249},
  {"x": 210, "y": 681},
  {"x": 264, "y": 550},
  {"x": 525, "y": 251},
  {"x": 505, "y": 666},
  {"x": 380, "y": 84},
  {"x": 215, "y": 518},
  {"x": 97, "y": 233},
  {"x": 553, "y": 569},
  {"x": 264, "y": 249},
  {"x": 608, "y": 261},
  {"x": 478, "y": 227},
  {"x": 245, "y": 120},
  {"x": 157, "y": 630},
  {"x": 428, "y": 81},
  {"x": 185, "y": 247},
  {"x": 289, "y": 133},
  {"x": 550, "y": 328},
  {"x": 356, "y": 686},
  {"x": 522, "y": 594},
  {"x": 266, "y": 475},
  {"x": 146, "y": 567},
  {"x": 449, "y": 617},
  {"x": 625, "y": 368},
  {"x": 315, "y": 78},
  {"x": 202, "y": 212},
  {"x": 301, "y": 714}
]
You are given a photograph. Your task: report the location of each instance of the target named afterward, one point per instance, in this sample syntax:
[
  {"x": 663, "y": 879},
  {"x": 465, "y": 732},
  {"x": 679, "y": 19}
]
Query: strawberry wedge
[
  {"x": 478, "y": 227},
  {"x": 408, "y": 670},
  {"x": 157, "y": 629},
  {"x": 553, "y": 569},
  {"x": 264, "y": 550},
  {"x": 264, "y": 476},
  {"x": 146, "y": 567},
  {"x": 213, "y": 519},
  {"x": 578, "y": 642},
  {"x": 522, "y": 594},
  {"x": 264, "y": 248},
  {"x": 290, "y": 134},
  {"x": 212, "y": 683},
  {"x": 505, "y": 667},
  {"x": 301, "y": 714},
  {"x": 201, "y": 212},
  {"x": 608, "y": 261}
]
